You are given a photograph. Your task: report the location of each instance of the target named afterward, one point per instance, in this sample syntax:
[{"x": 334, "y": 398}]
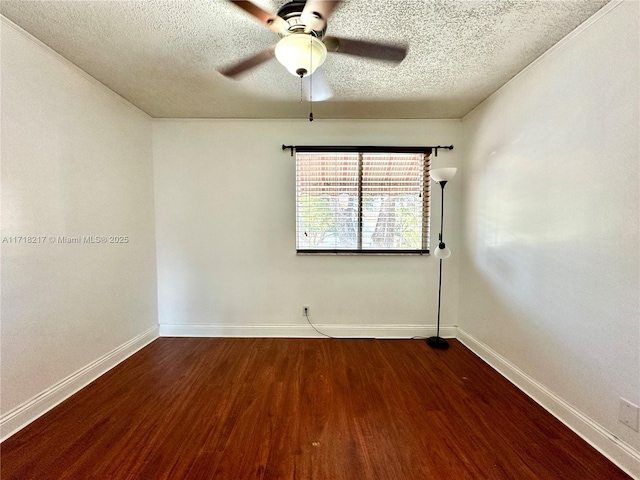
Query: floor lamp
[{"x": 441, "y": 176}]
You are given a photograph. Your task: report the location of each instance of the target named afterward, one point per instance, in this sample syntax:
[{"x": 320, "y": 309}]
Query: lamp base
[{"x": 437, "y": 342}]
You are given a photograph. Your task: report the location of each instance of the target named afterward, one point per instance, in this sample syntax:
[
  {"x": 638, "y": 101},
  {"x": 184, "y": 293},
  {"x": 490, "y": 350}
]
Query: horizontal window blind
[
  {"x": 362, "y": 202},
  {"x": 327, "y": 201},
  {"x": 393, "y": 201}
]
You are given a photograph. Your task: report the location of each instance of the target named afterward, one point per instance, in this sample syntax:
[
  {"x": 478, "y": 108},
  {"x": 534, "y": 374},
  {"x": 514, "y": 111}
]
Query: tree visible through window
[{"x": 362, "y": 202}]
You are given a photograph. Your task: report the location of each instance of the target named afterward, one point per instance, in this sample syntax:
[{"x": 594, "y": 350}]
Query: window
[{"x": 360, "y": 202}]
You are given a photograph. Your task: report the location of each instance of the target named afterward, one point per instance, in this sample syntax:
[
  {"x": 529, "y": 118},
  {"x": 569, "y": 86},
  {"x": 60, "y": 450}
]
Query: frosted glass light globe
[{"x": 301, "y": 53}]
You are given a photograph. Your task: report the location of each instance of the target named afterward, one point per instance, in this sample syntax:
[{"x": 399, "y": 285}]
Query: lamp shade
[
  {"x": 301, "y": 53},
  {"x": 442, "y": 252},
  {"x": 443, "y": 174}
]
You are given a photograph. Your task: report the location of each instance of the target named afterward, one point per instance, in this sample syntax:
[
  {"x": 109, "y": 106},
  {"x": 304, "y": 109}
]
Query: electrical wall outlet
[
  {"x": 628, "y": 414},
  {"x": 305, "y": 311}
]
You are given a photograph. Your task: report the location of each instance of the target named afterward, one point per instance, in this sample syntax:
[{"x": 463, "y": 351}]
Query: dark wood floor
[{"x": 210, "y": 408}]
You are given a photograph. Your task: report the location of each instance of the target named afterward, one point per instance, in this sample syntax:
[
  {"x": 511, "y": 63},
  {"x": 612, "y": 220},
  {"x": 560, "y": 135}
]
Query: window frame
[{"x": 362, "y": 151}]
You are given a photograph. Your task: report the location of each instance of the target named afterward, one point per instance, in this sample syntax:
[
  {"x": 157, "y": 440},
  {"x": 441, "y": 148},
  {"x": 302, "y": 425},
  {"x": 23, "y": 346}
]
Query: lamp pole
[{"x": 442, "y": 176}]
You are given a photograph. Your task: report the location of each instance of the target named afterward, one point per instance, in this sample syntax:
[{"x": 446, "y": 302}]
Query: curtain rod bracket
[{"x": 290, "y": 147}]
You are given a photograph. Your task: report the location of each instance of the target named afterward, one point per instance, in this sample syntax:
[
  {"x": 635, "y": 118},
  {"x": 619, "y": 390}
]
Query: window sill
[{"x": 363, "y": 252}]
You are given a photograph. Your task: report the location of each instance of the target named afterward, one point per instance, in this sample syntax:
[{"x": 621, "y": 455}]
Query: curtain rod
[{"x": 364, "y": 149}]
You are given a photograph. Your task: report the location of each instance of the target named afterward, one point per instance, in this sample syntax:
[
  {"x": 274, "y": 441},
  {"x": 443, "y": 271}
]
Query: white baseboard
[
  {"x": 619, "y": 452},
  {"x": 22, "y": 415},
  {"x": 304, "y": 331}
]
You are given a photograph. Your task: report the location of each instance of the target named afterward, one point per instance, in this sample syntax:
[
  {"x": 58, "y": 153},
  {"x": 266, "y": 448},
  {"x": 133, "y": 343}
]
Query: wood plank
[{"x": 246, "y": 408}]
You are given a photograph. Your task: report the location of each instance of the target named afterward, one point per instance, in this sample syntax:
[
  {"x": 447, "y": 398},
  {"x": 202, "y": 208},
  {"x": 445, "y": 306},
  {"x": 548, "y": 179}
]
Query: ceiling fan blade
[
  {"x": 248, "y": 63},
  {"x": 362, "y": 48},
  {"x": 316, "y": 87},
  {"x": 316, "y": 13},
  {"x": 270, "y": 20}
]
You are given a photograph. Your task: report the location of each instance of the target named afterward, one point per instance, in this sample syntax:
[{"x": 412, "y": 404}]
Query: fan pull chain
[
  {"x": 310, "y": 78},
  {"x": 310, "y": 98}
]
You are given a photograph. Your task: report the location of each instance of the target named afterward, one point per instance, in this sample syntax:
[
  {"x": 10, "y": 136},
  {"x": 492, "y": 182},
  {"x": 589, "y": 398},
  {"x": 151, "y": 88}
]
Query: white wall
[
  {"x": 76, "y": 160},
  {"x": 225, "y": 219},
  {"x": 550, "y": 277}
]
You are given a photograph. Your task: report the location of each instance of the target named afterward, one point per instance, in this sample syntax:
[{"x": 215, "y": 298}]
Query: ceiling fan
[{"x": 303, "y": 46}]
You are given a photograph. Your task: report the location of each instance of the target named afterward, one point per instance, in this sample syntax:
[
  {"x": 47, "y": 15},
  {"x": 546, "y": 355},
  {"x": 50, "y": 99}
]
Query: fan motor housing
[{"x": 291, "y": 13}]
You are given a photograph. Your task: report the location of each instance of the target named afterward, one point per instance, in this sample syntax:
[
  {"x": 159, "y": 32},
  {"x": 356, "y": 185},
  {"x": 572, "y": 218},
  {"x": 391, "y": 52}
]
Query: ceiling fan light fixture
[{"x": 301, "y": 53}]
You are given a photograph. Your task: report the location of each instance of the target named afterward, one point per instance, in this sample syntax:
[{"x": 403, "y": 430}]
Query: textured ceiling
[{"x": 163, "y": 56}]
